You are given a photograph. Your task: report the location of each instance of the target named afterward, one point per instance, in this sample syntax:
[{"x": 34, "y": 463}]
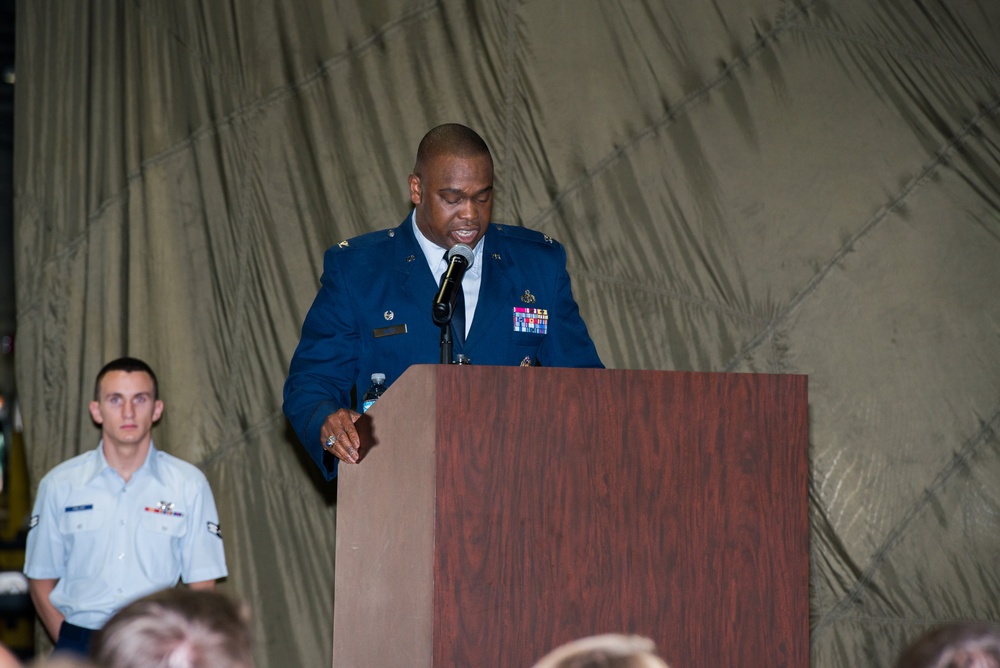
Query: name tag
[
  {"x": 75, "y": 509},
  {"x": 531, "y": 320},
  {"x": 389, "y": 331}
]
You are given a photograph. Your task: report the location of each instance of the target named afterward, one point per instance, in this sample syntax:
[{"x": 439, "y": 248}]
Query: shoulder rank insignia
[
  {"x": 547, "y": 238},
  {"x": 343, "y": 244}
]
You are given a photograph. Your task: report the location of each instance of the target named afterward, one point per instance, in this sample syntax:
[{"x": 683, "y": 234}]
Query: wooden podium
[{"x": 500, "y": 512}]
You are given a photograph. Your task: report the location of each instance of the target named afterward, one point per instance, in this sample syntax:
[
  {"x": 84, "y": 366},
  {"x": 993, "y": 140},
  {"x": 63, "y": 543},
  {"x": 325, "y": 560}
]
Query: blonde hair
[
  {"x": 610, "y": 650},
  {"x": 963, "y": 645},
  {"x": 176, "y": 628}
]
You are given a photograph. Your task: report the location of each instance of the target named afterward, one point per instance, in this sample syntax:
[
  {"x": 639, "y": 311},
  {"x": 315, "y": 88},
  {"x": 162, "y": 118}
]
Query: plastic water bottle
[{"x": 374, "y": 391}]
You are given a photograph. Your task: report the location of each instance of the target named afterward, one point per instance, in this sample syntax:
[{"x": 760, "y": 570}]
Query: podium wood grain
[{"x": 499, "y": 512}]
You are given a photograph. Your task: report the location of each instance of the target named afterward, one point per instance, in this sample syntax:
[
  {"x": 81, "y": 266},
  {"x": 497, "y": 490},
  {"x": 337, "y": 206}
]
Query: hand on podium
[{"x": 339, "y": 436}]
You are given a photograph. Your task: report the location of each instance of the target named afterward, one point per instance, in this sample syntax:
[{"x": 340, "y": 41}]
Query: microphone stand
[
  {"x": 446, "y": 343},
  {"x": 459, "y": 258}
]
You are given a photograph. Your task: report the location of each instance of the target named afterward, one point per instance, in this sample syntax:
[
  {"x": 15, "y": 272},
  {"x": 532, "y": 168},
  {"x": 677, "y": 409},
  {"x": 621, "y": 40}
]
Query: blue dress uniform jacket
[{"x": 373, "y": 315}]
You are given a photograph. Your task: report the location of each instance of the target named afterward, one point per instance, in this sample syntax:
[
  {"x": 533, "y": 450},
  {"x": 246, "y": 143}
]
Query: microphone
[{"x": 460, "y": 259}]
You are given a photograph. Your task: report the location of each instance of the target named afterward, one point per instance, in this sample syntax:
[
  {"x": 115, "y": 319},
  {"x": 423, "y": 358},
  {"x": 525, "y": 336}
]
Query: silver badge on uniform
[
  {"x": 388, "y": 315},
  {"x": 215, "y": 530}
]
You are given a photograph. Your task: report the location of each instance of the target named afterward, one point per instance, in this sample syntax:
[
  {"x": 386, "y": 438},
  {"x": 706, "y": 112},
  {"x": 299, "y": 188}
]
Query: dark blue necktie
[{"x": 458, "y": 318}]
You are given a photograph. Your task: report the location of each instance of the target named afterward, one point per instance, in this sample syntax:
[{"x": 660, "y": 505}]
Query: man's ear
[
  {"x": 415, "y": 191},
  {"x": 157, "y": 410},
  {"x": 95, "y": 412}
]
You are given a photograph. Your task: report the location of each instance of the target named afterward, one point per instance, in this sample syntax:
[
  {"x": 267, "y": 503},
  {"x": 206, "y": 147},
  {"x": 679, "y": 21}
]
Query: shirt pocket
[
  {"x": 84, "y": 539},
  {"x": 530, "y": 339},
  {"x": 81, "y": 520},
  {"x": 161, "y": 524},
  {"x": 157, "y": 544}
]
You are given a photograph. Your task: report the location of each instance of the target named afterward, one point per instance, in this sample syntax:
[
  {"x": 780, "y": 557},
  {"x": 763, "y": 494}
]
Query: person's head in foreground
[
  {"x": 176, "y": 628},
  {"x": 611, "y": 650},
  {"x": 966, "y": 645}
]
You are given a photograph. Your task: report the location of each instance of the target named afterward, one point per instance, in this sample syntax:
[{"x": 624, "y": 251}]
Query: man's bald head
[
  {"x": 450, "y": 139},
  {"x": 451, "y": 186}
]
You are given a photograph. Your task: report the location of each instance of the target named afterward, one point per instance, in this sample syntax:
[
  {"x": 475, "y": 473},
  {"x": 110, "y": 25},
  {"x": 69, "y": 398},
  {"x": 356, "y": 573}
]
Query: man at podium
[{"x": 373, "y": 312}]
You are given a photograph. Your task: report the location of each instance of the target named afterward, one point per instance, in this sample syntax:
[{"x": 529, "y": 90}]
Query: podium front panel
[{"x": 561, "y": 503}]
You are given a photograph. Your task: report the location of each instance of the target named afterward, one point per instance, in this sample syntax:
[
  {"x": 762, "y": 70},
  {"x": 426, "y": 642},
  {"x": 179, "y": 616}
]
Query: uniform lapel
[
  {"x": 494, "y": 290},
  {"x": 415, "y": 277}
]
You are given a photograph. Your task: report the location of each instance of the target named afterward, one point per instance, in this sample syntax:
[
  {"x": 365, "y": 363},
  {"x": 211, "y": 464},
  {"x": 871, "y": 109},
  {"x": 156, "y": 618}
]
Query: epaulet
[
  {"x": 365, "y": 240},
  {"x": 524, "y": 233}
]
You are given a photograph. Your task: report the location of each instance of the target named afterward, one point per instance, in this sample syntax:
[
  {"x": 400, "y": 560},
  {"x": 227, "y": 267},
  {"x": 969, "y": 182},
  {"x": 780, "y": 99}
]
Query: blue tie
[{"x": 458, "y": 318}]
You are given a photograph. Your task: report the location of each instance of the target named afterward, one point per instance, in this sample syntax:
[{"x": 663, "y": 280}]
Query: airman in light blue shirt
[{"x": 121, "y": 521}]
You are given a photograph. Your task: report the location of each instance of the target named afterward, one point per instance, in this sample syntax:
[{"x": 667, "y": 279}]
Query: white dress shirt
[{"x": 435, "y": 260}]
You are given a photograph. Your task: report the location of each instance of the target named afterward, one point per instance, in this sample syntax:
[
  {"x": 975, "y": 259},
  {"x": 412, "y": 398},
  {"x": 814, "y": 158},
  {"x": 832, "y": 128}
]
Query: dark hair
[
  {"x": 954, "y": 646},
  {"x": 128, "y": 365},
  {"x": 453, "y": 139},
  {"x": 176, "y": 627}
]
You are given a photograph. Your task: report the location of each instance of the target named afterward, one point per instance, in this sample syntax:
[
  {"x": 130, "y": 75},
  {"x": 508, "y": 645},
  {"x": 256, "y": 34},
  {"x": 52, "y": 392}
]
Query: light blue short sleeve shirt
[{"x": 109, "y": 542}]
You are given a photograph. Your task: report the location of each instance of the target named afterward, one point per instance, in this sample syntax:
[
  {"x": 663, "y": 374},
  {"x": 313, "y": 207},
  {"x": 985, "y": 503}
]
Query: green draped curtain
[{"x": 742, "y": 185}]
